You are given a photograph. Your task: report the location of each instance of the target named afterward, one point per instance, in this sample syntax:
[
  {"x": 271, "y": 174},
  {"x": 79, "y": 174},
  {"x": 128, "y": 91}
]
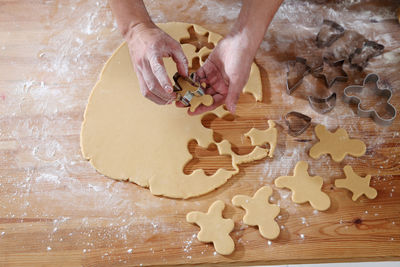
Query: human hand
[
  {"x": 226, "y": 72},
  {"x": 148, "y": 45}
]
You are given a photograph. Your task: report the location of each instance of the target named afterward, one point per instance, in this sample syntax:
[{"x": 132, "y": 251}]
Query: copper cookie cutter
[
  {"x": 371, "y": 78},
  {"x": 187, "y": 97}
]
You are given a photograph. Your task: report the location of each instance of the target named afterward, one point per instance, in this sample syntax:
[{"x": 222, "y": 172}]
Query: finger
[
  {"x": 218, "y": 100},
  {"x": 210, "y": 91},
  {"x": 180, "y": 104},
  {"x": 146, "y": 92},
  {"x": 158, "y": 68},
  {"x": 181, "y": 61},
  {"x": 232, "y": 97},
  {"x": 153, "y": 84}
]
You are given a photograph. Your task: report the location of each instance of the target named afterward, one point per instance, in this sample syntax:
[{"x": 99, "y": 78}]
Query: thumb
[{"x": 233, "y": 97}]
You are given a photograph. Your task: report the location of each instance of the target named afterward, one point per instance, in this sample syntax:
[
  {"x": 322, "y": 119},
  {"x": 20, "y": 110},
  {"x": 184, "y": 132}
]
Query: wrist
[
  {"x": 245, "y": 41},
  {"x": 136, "y": 28}
]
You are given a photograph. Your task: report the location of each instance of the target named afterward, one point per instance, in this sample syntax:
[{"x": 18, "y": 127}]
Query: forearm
[
  {"x": 130, "y": 14},
  {"x": 253, "y": 21}
]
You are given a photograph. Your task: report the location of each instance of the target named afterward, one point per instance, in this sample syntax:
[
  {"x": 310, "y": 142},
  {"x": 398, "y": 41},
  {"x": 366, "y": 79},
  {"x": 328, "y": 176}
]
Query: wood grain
[{"x": 56, "y": 210}]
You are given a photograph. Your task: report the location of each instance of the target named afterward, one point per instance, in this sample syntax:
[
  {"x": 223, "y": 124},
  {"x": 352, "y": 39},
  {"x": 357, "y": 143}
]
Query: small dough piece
[
  {"x": 259, "y": 212},
  {"x": 337, "y": 144},
  {"x": 356, "y": 184},
  {"x": 214, "y": 228},
  {"x": 305, "y": 188},
  {"x": 196, "y": 101},
  {"x": 261, "y": 137},
  {"x": 225, "y": 148}
]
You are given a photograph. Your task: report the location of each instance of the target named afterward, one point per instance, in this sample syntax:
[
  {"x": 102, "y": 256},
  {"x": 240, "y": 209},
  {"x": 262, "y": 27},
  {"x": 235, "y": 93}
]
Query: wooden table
[{"x": 56, "y": 210}]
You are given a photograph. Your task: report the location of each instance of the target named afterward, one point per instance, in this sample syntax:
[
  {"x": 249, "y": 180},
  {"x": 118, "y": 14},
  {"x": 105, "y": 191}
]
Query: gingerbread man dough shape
[
  {"x": 261, "y": 137},
  {"x": 337, "y": 144},
  {"x": 305, "y": 188},
  {"x": 214, "y": 228},
  {"x": 259, "y": 212},
  {"x": 356, "y": 184},
  {"x": 196, "y": 100}
]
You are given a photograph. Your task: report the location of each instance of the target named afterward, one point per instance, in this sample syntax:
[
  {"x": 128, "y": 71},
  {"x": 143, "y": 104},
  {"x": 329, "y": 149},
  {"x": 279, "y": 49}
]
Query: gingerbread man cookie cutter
[
  {"x": 354, "y": 89},
  {"x": 186, "y": 96}
]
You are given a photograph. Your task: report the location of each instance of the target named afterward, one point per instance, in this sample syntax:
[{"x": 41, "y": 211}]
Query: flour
[{"x": 48, "y": 96}]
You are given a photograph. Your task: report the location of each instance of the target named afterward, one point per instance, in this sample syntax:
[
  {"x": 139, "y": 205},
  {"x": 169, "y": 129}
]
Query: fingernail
[{"x": 168, "y": 88}]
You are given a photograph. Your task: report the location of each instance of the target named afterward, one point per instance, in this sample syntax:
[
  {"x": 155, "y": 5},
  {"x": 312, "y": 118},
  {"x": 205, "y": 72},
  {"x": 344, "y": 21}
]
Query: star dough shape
[
  {"x": 261, "y": 137},
  {"x": 337, "y": 144},
  {"x": 259, "y": 212},
  {"x": 214, "y": 228},
  {"x": 305, "y": 188},
  {"x": 127, "y": 137},
  {"x": 356, "y": 184}
]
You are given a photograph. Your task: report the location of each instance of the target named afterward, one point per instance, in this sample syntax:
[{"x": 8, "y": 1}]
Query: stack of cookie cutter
[
  {"x": 371, "y": 78},
  {"x": 320, "y": 105},
  {"x": 187, "y": 97}
]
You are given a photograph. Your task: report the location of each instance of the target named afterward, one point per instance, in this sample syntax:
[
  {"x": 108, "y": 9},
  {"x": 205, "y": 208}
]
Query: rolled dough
[{"x": 127, "y": 137}]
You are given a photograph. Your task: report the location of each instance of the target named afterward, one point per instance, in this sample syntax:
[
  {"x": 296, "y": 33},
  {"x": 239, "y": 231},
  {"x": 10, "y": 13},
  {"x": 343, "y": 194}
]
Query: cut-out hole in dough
[
  {"x": 208, "y": 159},
  {"x": 197, "y": 39}
]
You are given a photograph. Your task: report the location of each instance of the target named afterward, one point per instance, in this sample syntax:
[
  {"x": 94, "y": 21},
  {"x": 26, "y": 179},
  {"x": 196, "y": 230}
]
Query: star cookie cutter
[
  {"x": 329, "y": 81},
  {"x": 360, "y": 57},
  {"x": 297, "y": 123},
  {"x": 322, "y": 105},
  {"x": 330, "y": 31},
  {"x": 187, "y": 97},
  {"x": 371, "y": 78}
]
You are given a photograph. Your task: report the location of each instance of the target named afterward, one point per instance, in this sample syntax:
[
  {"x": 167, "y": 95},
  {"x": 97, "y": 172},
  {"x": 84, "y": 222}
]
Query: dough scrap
[
  {"x": 259, "y": 212},
  {"x": 261, "y": 137},
  {"x": 225, "y": 148},
  {"x": 337, "y": 144},
  {"x": 305, "y": 188},
  {"x": 214, "y": 228},
  {"x": 356, "y": 184},
  {"x": 127, "y": 137}
]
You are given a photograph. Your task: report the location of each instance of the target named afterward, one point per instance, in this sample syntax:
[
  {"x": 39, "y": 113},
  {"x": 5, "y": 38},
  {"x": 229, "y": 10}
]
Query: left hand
[{"x": 226, "y": 72}]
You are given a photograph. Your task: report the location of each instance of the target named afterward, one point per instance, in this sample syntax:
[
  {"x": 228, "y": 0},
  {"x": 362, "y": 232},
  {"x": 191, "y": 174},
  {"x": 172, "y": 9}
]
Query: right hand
[{"x": 148, "y": 45}]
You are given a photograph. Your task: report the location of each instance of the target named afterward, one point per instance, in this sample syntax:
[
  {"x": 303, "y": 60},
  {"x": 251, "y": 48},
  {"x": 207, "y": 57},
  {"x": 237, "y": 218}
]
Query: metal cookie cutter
[
  {"x": 297, "y": 123},
  {"x": 187, "y": 97},
  {"x": 296, "y": 70},
  {"x": 371, "y": 78},
  {"x": 322, "y": 105},
  {"x": 330, "y": 31},
  {"x": 360, "y": 57},
  {"x": 322, "y": 72}
]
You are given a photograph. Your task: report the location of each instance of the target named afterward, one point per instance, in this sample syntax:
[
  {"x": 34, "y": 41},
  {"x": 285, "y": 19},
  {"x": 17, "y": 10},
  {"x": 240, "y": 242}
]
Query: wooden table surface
[{"x": 56, "y": 210}]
